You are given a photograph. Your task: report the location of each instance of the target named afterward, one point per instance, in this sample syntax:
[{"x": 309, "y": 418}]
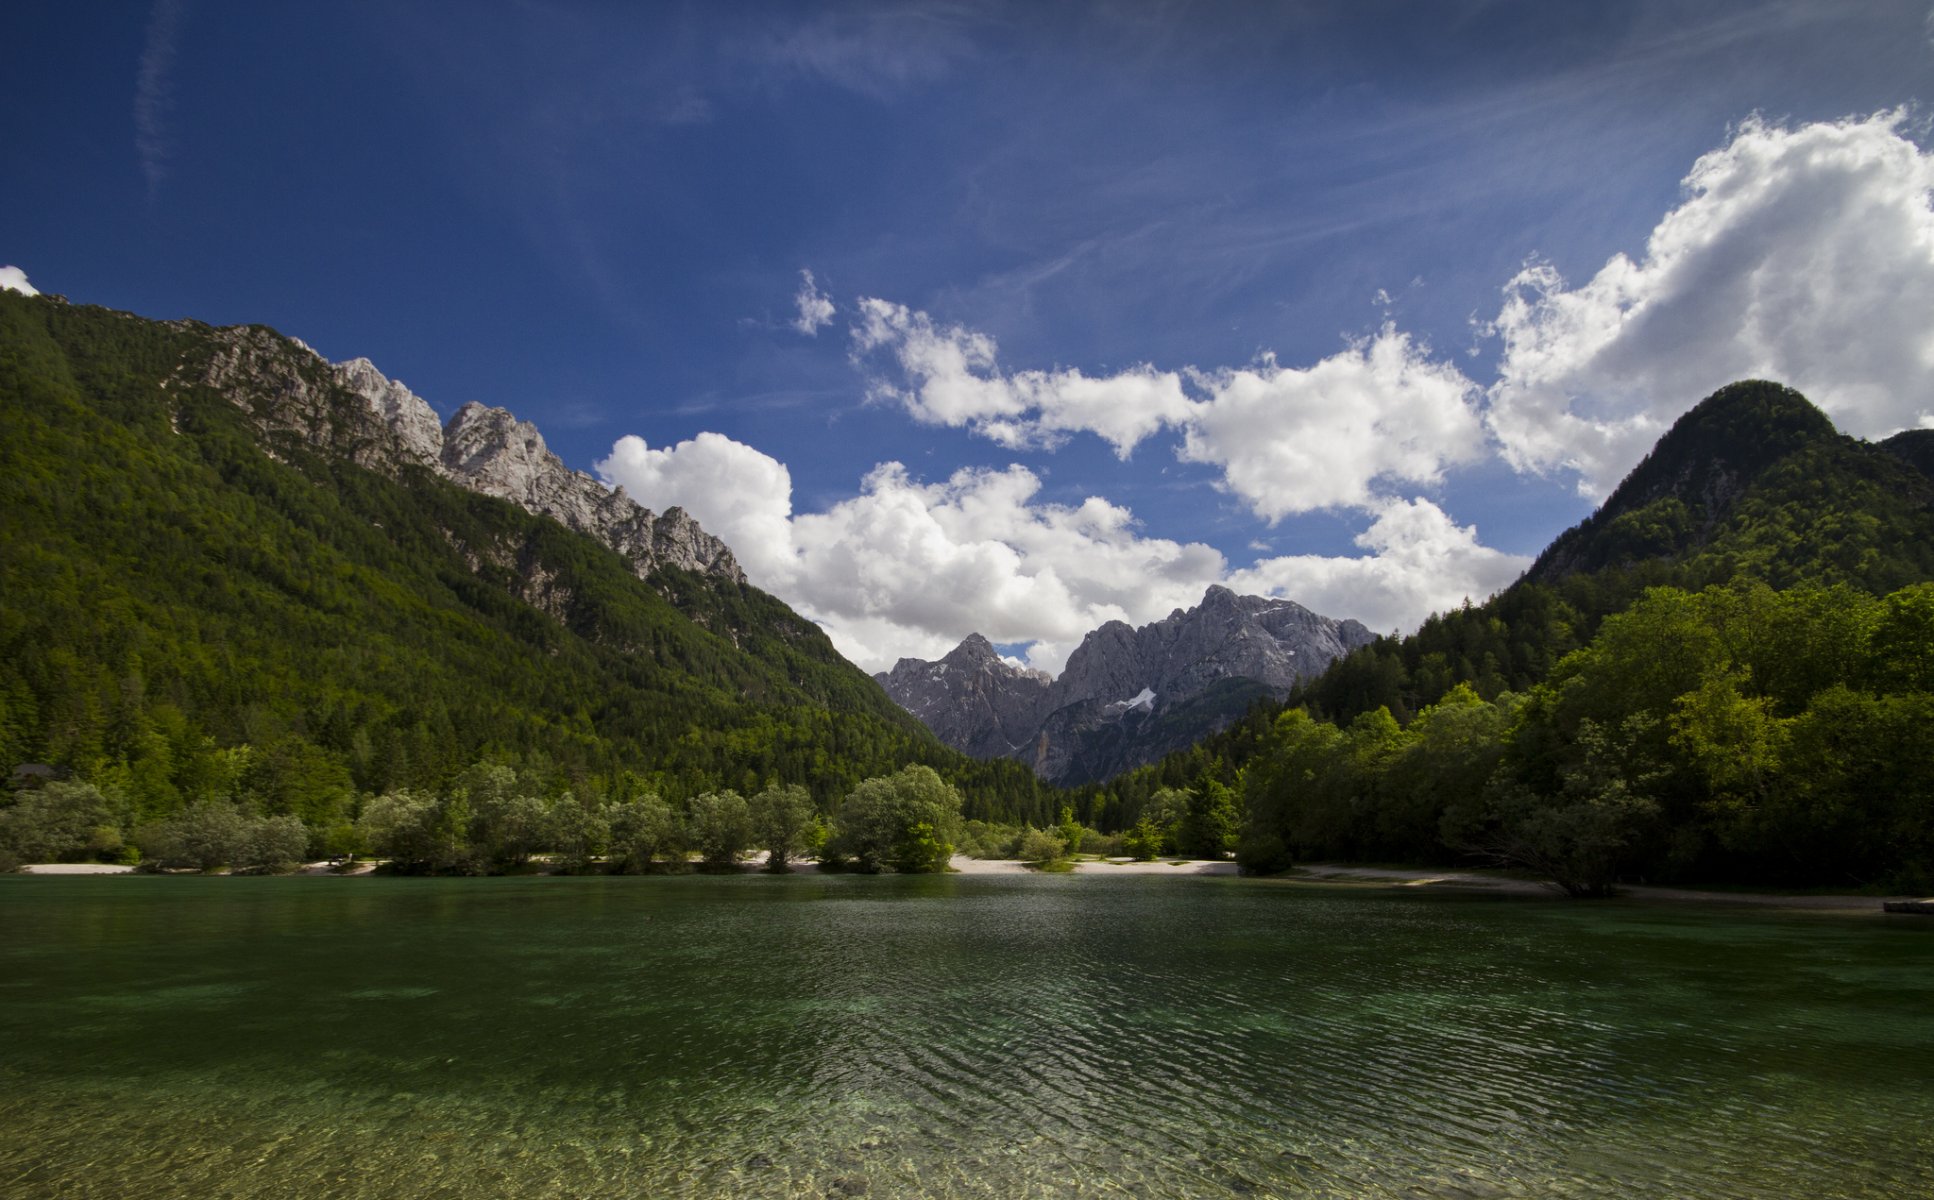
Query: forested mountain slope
[
  {"x": 1754, "y": 481},
  {"x": 1754, "y": 493},
  {"x": 207, "y": 591}
]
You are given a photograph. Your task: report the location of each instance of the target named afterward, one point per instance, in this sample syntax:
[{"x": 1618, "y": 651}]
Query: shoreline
[{"x": 1318, "y": 874}]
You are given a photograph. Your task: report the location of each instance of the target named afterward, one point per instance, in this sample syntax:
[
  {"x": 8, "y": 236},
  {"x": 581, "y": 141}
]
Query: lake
[{"x": 947, "y": 1036}]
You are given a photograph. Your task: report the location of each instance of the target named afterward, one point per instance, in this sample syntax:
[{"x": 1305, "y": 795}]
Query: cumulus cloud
[
  {"x": 1420, "y": 561},
  {"x": 13, "y": 279},
  {"x": 736, "y": 492},
  {"x": 1801, "y": 255},
  {"x": 815, "y": 307},
  {"x": 1290, "y": 440},
  {"x": 951, "y": 377},
  {"x": 908, "y": 567}
]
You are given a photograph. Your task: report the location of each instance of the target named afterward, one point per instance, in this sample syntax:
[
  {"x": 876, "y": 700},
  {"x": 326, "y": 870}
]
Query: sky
[{"x": 1019, "y": 318}]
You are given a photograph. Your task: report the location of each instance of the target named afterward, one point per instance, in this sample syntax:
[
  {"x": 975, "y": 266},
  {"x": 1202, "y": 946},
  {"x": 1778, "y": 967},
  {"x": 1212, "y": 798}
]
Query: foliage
[
  {"x": 202, "y": 605},
  {"x": 59, "y": 822},
  {"x": 645, "y": 831},
  {"x": 1043, "y": 846},
  {"x": 784, "y": 824},
  {"x": 907, "y": 820},
  {"x": 578, "y": 830},
  {"x": 1069, "y": 831},
  {"x": 1733, "y": 734},
  {"x": 212, "y": 833},
  {"x": 719, "y": 826}
]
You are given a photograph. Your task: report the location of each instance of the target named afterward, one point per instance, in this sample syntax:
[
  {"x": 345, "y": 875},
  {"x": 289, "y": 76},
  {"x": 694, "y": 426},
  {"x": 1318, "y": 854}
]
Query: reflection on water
[{"x": 997, "y": 1037}]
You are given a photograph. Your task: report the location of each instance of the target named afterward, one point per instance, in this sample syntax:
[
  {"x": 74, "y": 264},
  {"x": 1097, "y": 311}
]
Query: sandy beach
[{"x": 1326, "y": 874}]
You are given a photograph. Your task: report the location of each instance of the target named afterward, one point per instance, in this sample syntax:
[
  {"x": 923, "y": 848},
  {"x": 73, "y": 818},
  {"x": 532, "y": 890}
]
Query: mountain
[
  {"x": 1754, "y": 482},
  {"x": 972, "y": 699},
  {"x": 286, "y": 388},
  {"x": 1127, "y": 695},
  {"x": 233, "y": 568}
]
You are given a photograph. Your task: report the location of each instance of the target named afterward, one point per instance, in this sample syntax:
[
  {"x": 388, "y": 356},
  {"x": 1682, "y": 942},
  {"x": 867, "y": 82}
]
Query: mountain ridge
[
  {"x": 257, "y": 588},
  {"x": 483, "y": 449},
  {"x": 1787, "y": 500},
  {"x": 1117, "y": 701}
]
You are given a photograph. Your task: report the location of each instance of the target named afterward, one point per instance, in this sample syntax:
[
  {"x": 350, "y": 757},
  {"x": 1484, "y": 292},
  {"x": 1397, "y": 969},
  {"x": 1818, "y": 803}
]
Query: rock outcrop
[
  {"x": 1127, "y": 695},
  {"x": 972, "y": 699},
  {"x": 285, "y": 386}
]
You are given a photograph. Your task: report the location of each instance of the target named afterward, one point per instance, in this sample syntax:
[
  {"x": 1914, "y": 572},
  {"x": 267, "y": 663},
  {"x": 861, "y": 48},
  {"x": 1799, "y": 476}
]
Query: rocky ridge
[
  {"x": 1127, "y": 695},
  {"x": 287, "y": 387},
  {"x": 972, "y": 699}
]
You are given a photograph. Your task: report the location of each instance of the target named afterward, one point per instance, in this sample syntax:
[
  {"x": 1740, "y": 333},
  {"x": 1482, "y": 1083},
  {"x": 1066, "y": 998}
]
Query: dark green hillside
[
  {"x": 1754, "y": 481},
  {"x": 1753, "y": 484},
  {"x": 185, "y": 614}
]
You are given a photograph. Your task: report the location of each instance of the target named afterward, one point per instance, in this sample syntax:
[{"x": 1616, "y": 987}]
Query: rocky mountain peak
[
  {"x": 972, "y": 698},
  {"x": 974, "y": 648},
  {"x": 285, "y": 387},
  {"x": 1127, "y": 695},
  {"x": 406, "y": 414}
]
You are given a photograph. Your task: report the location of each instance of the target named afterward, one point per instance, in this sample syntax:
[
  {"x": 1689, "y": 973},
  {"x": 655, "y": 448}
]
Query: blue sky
[{"x": 1320, "y": 299}]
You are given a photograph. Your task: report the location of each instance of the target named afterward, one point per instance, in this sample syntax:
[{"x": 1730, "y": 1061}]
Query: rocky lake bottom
[{"x": 998, "y": 1036}]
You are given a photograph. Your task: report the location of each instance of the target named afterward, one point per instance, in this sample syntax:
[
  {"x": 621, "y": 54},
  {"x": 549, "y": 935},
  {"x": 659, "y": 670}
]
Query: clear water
[{"x": 964, "y": 1036}]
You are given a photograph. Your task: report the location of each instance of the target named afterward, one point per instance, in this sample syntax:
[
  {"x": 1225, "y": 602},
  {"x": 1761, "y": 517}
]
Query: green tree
[
  {"x": 58, "y": 822},
  {"x": 1579, "y": 838},
  {"x": 1069, "y": 831},
  {"x": 578, "y": 830},
  {"x": 644, "y": 830},
  {"x": 271, "y": 845},
  {"x": 1043, "y": 847},
  {"x": 907, "y": 820},
  {"x": 415, "y": 832},
  {"x": 783, "y": 822},
  {"x": 720, "y": 827},
  {"x": 1144, "y": 841},
  {"x": 1285, "y": 776},
  {"x": 207, "y": 834},
  {"x": 1210, "y": 827}
]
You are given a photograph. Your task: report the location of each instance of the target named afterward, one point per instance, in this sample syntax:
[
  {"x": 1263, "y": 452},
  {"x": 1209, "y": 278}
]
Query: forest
[
  {"x": 196, "y": 611},
  {"x": 225, "y": 644}
]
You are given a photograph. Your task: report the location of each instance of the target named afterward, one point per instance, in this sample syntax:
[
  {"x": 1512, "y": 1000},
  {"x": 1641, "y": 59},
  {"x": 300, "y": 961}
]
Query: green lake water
[{"x": 957, "y": 1036}]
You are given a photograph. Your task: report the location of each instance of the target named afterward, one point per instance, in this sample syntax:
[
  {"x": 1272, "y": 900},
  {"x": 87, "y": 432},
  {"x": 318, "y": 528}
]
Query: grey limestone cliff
[
  {"x": 1127, "y": 695},
  {"x": 287, "y": 387}
]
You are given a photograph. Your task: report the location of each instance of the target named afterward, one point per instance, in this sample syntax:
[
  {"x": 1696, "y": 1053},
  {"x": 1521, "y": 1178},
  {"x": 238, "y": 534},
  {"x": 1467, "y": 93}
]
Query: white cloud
[
  {"x": 907, "y": 567},
  {"x": 1801, "y": 255},
  {"x": 952, "y": 378},
  {"x": 1287, "y": 439},
  {"x": 1420, "y": 561},
  {"x": 910, "y": 568},
  {"x": 736, "y": 492},
  {"x": 1290, "y": 440},
  {"x": 815, "y": 307},
  {"x": 13, "y": 279}
]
